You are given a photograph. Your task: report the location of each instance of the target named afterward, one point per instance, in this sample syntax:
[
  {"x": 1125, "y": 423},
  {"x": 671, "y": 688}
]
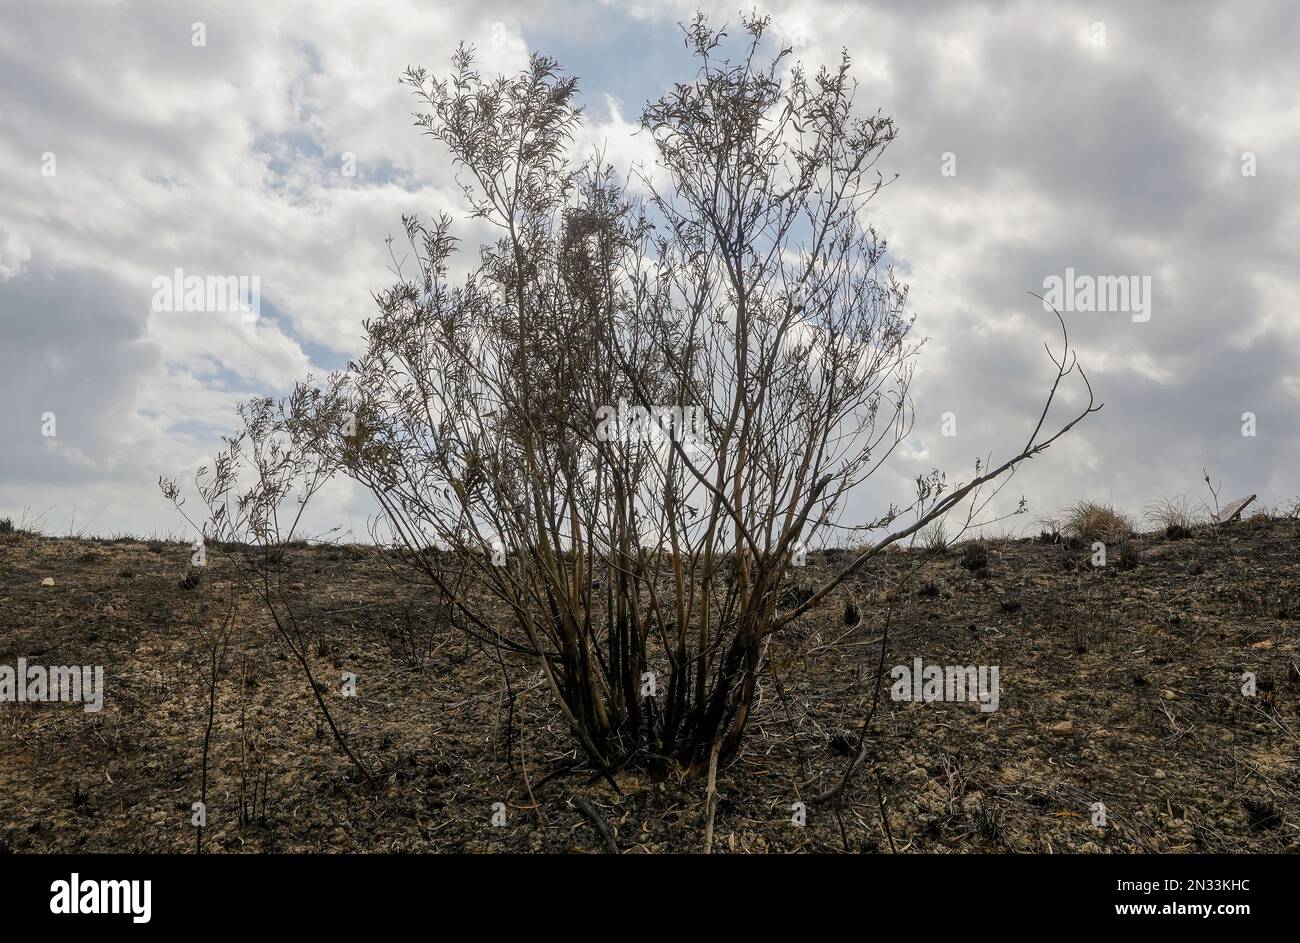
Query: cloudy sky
[{"x": 1113, "y": 139}]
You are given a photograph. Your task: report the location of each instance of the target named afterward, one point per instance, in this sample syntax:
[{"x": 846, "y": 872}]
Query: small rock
[
  {"x": 1265, "y": 644},
  {"x": 1064, "y": 729},
  {"x": 48, "y": 581},
  {"x": 1168, "y": 695},
  {"x": 1159, "y": 774}
]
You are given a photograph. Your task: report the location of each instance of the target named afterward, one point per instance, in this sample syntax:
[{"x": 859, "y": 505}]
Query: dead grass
[
  {"x": 1092, "y": 520},
  {"x": 1176, "y": 517},
  {"x": 932, "y": 538}
]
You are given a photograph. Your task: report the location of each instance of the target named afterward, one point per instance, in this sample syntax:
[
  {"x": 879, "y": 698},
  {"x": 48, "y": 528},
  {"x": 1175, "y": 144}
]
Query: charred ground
[{"x": 1119, "y": 684}]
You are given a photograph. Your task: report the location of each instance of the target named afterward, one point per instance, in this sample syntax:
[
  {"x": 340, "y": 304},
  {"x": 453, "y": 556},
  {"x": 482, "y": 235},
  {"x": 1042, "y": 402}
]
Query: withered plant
[{"x": 609, "y": 439}]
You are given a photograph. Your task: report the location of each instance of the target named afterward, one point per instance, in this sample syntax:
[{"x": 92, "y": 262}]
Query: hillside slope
[{"x": 1119, "y": 685}]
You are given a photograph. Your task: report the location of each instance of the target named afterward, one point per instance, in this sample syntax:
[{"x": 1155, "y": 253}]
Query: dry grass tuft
[
  {"x": 1095, "y": 521},
  {"x": 1176, "y": 517},
  {"x": 932, "y": 538}
]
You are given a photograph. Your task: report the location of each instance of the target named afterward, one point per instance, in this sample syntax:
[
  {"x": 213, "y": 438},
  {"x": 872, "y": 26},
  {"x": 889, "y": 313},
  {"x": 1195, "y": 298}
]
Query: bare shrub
[
  {"x": 639, "y": 408},
  {"x": 414, "y": 633},
  {"x": 209, "y": 660},
  {"x": 254, "y": 497}
]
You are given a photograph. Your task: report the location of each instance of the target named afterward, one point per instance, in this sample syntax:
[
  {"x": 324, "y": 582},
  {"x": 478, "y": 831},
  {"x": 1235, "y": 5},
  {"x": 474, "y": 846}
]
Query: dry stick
[
  {"x": 844, "y": 834},
  {"x": 785, "y": 702},
  {"x": 584, "y": 806},
  {"x": 565, "y": 769},
  {"x": 217, "y": 651},
  {"x": 884, "y": 819},
  {"x": 244, "y": 817},
  {"x": 265, "y": 593},
  {"x": 834, "y": 793},
  {"x": 207, "y": 740},
  {"x": 942, "y": 507},
  {"x": 523, "y": 765},
  {"x": 712, "y": 801},
  {"x": 510, "y": 717},
  {"x": 315, "y": 690}
]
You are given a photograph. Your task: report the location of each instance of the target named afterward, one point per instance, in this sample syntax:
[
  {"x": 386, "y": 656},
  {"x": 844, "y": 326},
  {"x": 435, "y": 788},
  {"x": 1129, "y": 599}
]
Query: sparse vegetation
[
  {"x": 643, "y": 572},
  {"x": 1092, "y": 520},
  {"x": 574, "y": 493},
  {"x": 932, "y": 539},
  {"x": 451, "y": 732},
  {"x": 1049, "y": 536},
  {"x": 1175, "y": 517},
  {"x": 975, "y": 555},
  {"x": 25, "y": 526}
]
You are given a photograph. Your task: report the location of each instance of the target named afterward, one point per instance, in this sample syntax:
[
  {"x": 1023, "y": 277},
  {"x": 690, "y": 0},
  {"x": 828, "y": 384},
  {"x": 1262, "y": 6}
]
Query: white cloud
[
  {"x": 14, "y": 254},
  {"x": 227, "y": 159}
]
